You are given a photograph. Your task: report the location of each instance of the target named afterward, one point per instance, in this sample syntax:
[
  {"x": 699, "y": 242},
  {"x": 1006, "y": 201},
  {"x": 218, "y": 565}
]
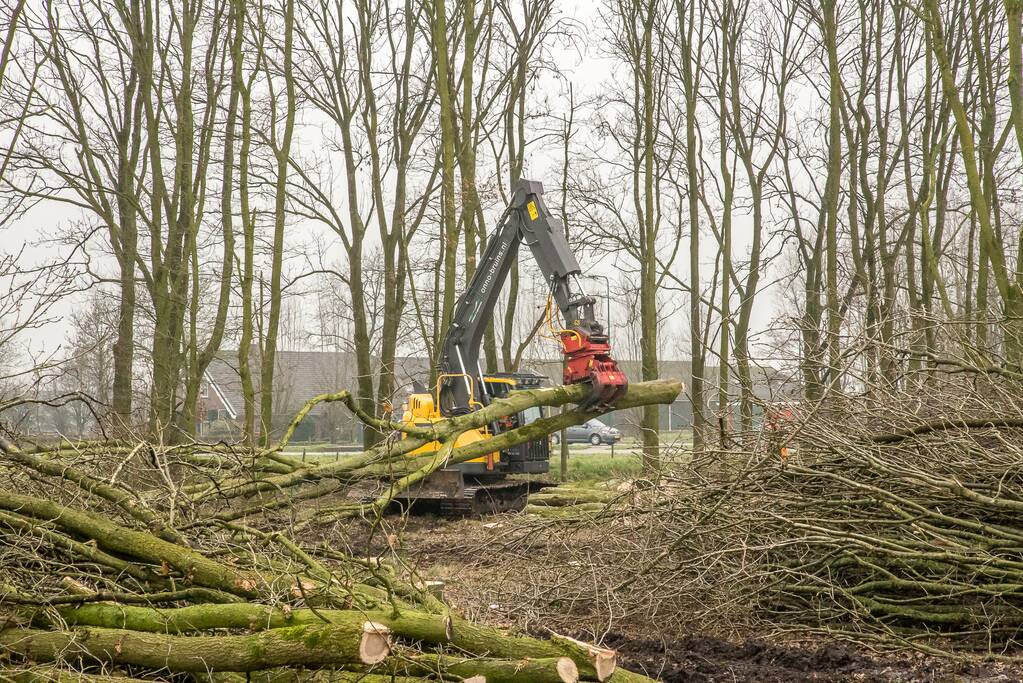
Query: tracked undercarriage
[{"x": 448, "y": 493}]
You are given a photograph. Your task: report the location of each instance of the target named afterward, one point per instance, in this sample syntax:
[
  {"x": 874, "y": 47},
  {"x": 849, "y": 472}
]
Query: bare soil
[{"x": 707, "y": 659}]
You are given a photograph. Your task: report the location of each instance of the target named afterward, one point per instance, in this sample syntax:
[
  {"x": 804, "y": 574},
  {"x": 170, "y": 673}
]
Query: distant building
[
  {"x": 301, "y": 375},
  {"x": 298, "y": 377}
]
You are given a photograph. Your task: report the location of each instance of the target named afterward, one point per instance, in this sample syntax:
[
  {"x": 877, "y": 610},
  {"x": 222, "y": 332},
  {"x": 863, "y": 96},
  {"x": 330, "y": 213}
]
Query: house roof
[{"x": 298, "y": 377}]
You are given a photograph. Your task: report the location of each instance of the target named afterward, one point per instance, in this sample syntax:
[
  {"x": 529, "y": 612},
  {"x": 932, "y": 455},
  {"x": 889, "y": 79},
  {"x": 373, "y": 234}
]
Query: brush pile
[{"x": 895, "y": 520}]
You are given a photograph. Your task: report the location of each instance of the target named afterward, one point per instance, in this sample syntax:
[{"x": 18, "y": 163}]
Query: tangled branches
[
  {"x": 152, "y": 561},
  {"x": 893, "y": 521}
]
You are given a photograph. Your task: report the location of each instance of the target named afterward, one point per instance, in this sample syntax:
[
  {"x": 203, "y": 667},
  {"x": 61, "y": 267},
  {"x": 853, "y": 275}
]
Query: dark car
[{"x": 593, "y": 432}]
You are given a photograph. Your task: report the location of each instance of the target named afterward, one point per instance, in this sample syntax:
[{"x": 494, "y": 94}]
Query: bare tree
[
  {"x": 280, "y": 136},
  {"x": 376, "y": 85}
]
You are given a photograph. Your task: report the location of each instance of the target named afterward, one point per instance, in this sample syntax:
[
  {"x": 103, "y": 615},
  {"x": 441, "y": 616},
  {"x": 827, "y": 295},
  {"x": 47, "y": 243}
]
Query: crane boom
[{"x": 584, "y": 341}]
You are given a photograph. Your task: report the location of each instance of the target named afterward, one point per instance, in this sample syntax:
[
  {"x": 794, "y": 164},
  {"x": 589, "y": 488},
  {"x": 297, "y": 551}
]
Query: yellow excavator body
[
  {"x": 421, "y": 411},
  {"x": 481, "y": 485}
]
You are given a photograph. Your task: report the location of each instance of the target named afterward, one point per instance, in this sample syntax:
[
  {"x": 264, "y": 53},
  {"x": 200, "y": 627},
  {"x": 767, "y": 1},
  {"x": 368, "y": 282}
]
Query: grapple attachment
[{"x": 588, "y": 359}]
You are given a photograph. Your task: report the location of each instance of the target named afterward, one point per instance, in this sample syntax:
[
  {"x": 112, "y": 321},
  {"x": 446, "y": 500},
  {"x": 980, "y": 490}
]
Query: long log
[
  {"x": 42, "y": 674},
  {"x": 560, "y": 496},
  {"x": 115, "y": 538},
  {"x": 351, "y": 644},
  {"x": 638, "y": 394},
  {"x": 580, "y": 510},
  {"x": 644, "y": 393},
  {"x": 305, "y": 676},
  {"x": 410, "y": 626},
  {"x": 489, "y": 670},
  {"x": 335, "y": 644}
]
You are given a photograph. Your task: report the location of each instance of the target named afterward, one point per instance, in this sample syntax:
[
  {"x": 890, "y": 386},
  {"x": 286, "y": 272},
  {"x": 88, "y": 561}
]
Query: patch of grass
[
  {"x": 590, "y": 465},
  {"x": 597, "y": 467},
  {"x": 673, "y": 440},
  {"x": 319, "y": 447}
]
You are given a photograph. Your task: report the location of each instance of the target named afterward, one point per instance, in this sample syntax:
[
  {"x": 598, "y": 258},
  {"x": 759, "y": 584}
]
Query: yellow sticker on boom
[{"x": 533, "y": 213}]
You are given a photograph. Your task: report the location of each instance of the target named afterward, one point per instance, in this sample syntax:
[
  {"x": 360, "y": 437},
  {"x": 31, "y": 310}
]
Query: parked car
[{"x": 593, "y": 432}]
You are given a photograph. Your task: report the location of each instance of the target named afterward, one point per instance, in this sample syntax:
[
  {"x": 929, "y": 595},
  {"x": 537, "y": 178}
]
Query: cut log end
[
  {"x": 449, "y": 627},
  {"x": 567, "y": 670},
  {"x": 475, "y": 679},
  {"x": 603, "y": 660},
  {"x": 375, "y": 644},
  {"x": 75, "y": 587}
]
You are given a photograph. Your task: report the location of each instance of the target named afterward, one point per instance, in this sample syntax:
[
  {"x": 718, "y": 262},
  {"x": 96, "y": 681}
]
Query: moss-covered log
[
  {"x": 561, "y": 496},
  {"x": 311, "y": 645},
  {"x": 554, "y": 670},
  {"x": 305, "y": 676},
  {"x": 410, "y": 626},
  {"x": 49, "y": 674},
  {"x": 638, "y": 394},
  {"x": 644, "y": 393},
  {"x": 115, "y": 538},
  {"x": 565, "y": 511}
]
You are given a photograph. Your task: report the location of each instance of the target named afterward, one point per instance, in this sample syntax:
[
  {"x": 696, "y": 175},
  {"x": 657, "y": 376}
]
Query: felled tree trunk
[
  {"x": 250, "y": 494},
  {"x": 311, "y": 645}
]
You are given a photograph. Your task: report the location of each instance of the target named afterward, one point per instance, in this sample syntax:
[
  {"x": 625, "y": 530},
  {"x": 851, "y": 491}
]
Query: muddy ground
[
  {"x": 464, "y": 554},
  {"x": 702, "y": 658}
]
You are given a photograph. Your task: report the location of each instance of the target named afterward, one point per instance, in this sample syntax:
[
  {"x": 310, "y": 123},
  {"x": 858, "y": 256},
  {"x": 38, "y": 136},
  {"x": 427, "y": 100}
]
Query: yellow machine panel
[{"x": 421, "y": 412}]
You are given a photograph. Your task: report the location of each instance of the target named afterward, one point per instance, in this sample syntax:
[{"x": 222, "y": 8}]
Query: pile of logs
[
  {"x": 143, "y": 561},
  {"x": 567, "y": 501}
]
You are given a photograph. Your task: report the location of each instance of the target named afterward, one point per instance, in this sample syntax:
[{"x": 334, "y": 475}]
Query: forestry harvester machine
[{"x": 462, "y": 387}]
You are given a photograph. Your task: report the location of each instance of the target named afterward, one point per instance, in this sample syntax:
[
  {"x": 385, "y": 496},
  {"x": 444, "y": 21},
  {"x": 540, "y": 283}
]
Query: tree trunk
[
  {"x": 697, "y": 350},
  {"x": 126, "y": 251},
  {"x": 648, "y": 278},
  {"x": 247, "y": 274},
  {"x": 201, "y": 359},
  {"x": 447, "y": 126},
  {"x": 992, "y": 251},
  {"x": 831, "y": 193},
  {"x": 283, "y": 156}
]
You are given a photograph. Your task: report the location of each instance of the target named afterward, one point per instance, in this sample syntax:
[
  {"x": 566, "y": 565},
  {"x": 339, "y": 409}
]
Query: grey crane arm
[{"x": 586, "y": 348}]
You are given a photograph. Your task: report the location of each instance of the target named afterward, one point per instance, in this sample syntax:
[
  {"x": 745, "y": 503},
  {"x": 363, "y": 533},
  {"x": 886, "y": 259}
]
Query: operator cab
[{"x": 531, "y": 457}]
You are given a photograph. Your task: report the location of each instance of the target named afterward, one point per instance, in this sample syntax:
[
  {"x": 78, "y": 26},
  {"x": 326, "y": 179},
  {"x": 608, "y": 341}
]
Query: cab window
[{"x": 531, "y": 414}]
